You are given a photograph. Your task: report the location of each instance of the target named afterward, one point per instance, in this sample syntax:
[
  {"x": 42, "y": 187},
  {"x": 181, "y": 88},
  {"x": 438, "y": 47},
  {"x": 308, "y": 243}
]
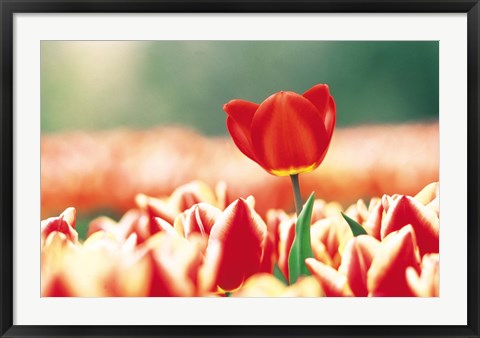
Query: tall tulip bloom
[{"x": 287, "y": 134}]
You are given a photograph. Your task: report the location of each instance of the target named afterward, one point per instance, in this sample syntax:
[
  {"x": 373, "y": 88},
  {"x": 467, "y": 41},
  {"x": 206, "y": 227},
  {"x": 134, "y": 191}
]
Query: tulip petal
[
  {"x": 222, "y": 195},
  {"x": 70, "y": 216},
  {"x": 306, "y": 286},
  {"x": 65, "y": 223},
  {"x": 240, "y": 114},
  {"x": 269, "y": 254},
  {"x": 198, "y": 219},
  {"x": 188, "y": 195},
  {"x": 318, "y": 211},
  {"x": 90, "y": 272},
  {"x": 356, "y": 261},
  {"x": 435, "y": 206},
  {"x": 325, "y": 237},
  {"x": 241, "y": 140},
  {"x": 274, "y": 219},
  {"x": 55, "y": 287},
  {"x": 334, "y": 283},
  {"x": 288, "y": 135},
  {"x": 266, "y": 285},
  {"x": 180, "y": 200},
  {"x": 103, "y": 223},
  {"x": 241, "y": 234},
  {"x": 208, "y": 271},
  {"x": 387, "y": 274},
  {"x": 425, "y": 284},
  {"x": 175, "y": 263},
  {"x": 144, "y": 227},
  {"x": 407, "y": 210},
  {"x": 261, "y": 285},
  {"x": 157, "y": 224},
  {"x": 428, "y": 193},
  {"x": 56, "y": 247},
  {"x": 287, "y": 235},
  {"x": 320, "y": 96},
  {"x": 374, "y": 221},
  {"x": 330, "y": 117},
  {"x": 156, "y": 207}
]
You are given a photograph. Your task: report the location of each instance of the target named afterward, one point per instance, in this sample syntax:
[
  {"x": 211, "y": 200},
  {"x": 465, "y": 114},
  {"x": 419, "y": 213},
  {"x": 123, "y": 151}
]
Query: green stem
[{"x": 297, "y": 194}]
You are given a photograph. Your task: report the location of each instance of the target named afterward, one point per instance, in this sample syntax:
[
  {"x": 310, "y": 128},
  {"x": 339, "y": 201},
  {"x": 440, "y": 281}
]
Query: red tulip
[
  {"x": 183, "y": 198},
  {"x": 403, "y": 210},
  {"x": 65, "y": 223},
  {"x": 356, "y": 260},
  {"x": 135, "y": 221},
  {"x": 99, "y": 267},
  {"x": 334, "y": 283},
  {"x": 429, "y": 197},
  {"x": 328, "y": 237},
  {"x": 286, "y": 134},
  {"x": 426, "y": 283},
  {"x": 236, "y": 244},
  {"x": 174, "y": 263},
  {"x": 428, "y": 193},
  {"x": 198, "y": 219},
  {"x": 395, "y": 254}
]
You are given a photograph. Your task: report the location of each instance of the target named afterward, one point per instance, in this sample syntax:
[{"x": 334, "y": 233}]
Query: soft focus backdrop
[{"x": 92, "y": 85}]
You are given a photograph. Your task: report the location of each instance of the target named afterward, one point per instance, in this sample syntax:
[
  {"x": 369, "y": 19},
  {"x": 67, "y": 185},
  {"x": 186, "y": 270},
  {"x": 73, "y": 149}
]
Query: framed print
[{"x": 239, "y": 168}]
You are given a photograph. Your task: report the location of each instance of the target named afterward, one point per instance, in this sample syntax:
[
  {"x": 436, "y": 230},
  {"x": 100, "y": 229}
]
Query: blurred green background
[{"x": 92, "y": 85}]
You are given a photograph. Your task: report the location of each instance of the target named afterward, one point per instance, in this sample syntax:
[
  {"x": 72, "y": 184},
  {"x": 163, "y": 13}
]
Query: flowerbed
[{"x": 202, "y": 242}]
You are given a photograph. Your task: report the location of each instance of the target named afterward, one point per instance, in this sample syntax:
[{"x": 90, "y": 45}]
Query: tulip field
[
  {"x": 285, "y": 199},
  {"x": 199, "y": 241},
  {"x": 196, "y": 242}
]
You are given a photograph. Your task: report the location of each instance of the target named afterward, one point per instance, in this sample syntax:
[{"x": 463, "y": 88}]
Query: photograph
[{"x": 239, "y": 168}]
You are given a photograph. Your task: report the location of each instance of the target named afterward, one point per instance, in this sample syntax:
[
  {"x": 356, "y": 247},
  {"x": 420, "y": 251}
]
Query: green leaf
[
  {"x": 279, "y": 274},
  {"x": 356, "y": 228},
  {"x": 301, "y": 246}
]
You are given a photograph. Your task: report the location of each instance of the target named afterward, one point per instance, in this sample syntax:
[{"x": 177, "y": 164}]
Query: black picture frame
[{"x": 10, "y": 7}]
